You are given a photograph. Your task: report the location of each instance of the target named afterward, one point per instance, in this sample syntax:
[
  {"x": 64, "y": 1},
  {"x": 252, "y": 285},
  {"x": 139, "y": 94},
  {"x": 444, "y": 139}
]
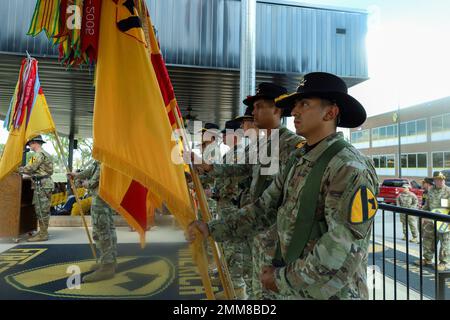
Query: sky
[{"x": 408, "y": 52}]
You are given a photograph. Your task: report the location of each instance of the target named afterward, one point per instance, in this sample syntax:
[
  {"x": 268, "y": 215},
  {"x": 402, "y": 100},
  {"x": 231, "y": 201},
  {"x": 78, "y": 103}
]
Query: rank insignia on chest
[{"x": 364, "y": 205}]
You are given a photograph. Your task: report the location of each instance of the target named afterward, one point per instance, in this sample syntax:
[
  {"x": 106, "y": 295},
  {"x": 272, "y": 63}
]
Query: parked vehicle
[{"x": 391, "y": 188}]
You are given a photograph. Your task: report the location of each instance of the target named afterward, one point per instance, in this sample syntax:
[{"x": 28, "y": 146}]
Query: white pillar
[{"x": 248, "y": 51}]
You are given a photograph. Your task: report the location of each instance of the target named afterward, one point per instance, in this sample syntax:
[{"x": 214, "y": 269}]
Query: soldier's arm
[
  {"x": 415, "y": 201},
  {"x": 32, "y": 167},
  {"x": 397, "y": 200},
  {"x": 86, "y": 174},
  {"x": 426, "y": 206},
  {"x": 251, "y": 219},
  {"x": 231, "y": 170},
  {"x": 341, "y": 251}
]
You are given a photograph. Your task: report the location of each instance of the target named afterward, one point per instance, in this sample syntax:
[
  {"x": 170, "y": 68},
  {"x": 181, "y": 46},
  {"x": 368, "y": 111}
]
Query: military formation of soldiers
[{"x": 302, "y": 232}]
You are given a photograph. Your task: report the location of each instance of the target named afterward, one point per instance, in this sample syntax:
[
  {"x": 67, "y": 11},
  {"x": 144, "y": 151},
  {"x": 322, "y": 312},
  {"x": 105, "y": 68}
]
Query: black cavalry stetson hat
[
  {"x": 267, "y": 90},
  {"x": 327, "y": 86},
  {"x": 231, "y": 125},
  {"x": 248, "y": 115},
  {"x": 36, "y": 139}
]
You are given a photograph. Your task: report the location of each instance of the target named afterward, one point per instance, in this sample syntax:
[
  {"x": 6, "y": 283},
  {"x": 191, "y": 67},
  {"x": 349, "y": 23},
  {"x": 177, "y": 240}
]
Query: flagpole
[
  {"x": 206, "y": 215},
  {"x": 74, "y": 190}
]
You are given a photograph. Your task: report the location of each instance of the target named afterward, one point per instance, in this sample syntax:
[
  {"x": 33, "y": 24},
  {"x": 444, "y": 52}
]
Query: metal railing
[{"x": 386, "y": 257}]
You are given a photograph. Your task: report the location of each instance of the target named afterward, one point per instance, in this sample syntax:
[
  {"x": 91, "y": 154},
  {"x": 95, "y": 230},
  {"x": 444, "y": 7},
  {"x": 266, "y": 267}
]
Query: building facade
[{"x": 424, "y": 144}]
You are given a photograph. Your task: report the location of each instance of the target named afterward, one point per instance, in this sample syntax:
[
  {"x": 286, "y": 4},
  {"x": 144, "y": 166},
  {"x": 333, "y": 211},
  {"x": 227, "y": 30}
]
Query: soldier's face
[
  {"x": 246, "y": 125},
  {"x": 34, "y": 146},
  {"x": 439, "y": 183},
  {"x": 309, "y": 115},
  {"x": 265, "y": 113}
]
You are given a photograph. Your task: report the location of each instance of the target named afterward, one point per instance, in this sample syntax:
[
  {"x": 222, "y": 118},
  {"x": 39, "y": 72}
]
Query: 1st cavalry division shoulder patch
[{"x": 364, "y": 206}]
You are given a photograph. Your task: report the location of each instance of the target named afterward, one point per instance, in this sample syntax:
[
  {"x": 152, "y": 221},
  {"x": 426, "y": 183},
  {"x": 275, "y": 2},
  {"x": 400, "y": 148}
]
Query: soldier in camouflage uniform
[
  {"x": 227, "y": 192},
  {"x": 330, "y": 255},
  {"x": 438, "y": 192},
  {"x": 40, "y": 169},
  {"x": 104, "y": 231},
  {"x": 407, "y": 199},
  {"x": 266, "y": 116}
]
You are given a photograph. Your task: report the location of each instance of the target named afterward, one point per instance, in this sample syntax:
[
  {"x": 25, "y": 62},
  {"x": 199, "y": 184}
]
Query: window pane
[
  {"x": 412, "y": 161},
  {"x": 395, "y": 130},
  {"x": 365, "y": 135},
  {"x": 376, "y": 161},
  {"x": 438, "y": 160},
  {"x": 382, "y": 133},
  {"x": 436, "y": 124},
  {"x": 354, "y": 136},
  {"x": 446, "y": 122},
  {"x": 421, "y": 127},
  {"x": 411, "y": 128},
  {"x": 390, "y": 162},
  {"x": 383, "y": 162},
  {"x": 390, "y": 132},
  {"x": 403, "y": 129},
  {"x": 447, "y": 160},
  {"x": 422, "y": 160},
  {"x": 375, "y": 134},
  {"x": 404, "y": 161}
]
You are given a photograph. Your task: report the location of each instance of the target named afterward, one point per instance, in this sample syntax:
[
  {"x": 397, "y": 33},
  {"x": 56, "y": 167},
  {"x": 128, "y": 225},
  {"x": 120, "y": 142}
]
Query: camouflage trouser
[
  {"x": 104, "y": 231},
  {"x": 247, "y": 267},
  {"x": 233, "y": 252},
  {"x": 263, "y": 250},
  {"x": 412, "y": 223},
  {"x": 429, "y": 245},
  {"x": 42, "y": 199}
]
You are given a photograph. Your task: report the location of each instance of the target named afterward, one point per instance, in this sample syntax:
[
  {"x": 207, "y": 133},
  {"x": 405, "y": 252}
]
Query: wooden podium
[{"x": 17, "y": 215}]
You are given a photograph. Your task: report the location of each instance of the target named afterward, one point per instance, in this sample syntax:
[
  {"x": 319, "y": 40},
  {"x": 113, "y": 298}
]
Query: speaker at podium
[{"x": 17, "y": 214}]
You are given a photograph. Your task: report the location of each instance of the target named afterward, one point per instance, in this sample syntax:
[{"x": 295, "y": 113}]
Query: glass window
[
  {"x": 403, "y": 129},
  {"x": 382, "y": 132},
  {"x": 383, "y": 162},
  {"x": 411, "y": 128},
  {"x": 375, "y": 135},
  {"x": 365, "y": 135},
  {"x": 422, "y": 160},
  {"x": 438, "y": 160},
  {"x": 395, "y": 131},
  {"x": 376, "y": 161},
  {"x": 447, "y": 160},
  {"x": 436, "y": 124},
  {"x": 421, "y": 127},
  {"x": 390, "y": 162},
  {"x": 446, "y": 122},
  {"x": 404, "y": 161},
  {"x": 354, "y": 136},
  {"x": 412, "y": 161},
  {"x": 390, "y": 132}
]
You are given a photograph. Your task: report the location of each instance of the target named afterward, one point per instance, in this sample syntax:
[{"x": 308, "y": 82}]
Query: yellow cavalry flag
[
  {"x": 133, "y": 122},
  {"x": 27, "y": 117}
]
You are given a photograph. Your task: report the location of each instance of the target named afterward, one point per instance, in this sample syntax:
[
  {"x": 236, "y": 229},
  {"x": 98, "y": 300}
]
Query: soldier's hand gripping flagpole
[
  {"x": 59, "y": 151},
  {"x": 216, "y": 248}
]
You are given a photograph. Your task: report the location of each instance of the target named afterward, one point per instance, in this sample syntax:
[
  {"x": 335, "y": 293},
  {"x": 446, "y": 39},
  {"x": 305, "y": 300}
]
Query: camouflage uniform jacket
[
  {"x": 334, "y": 265},
  {"x": 434, "y": 197},
  {"x": 228, "y": 186},
  {"x": 92, "y": 173},
  {"x": 40, "y": 166},
  {"x": 407, "y": 200},
  {"x": 288, "y": 142}
]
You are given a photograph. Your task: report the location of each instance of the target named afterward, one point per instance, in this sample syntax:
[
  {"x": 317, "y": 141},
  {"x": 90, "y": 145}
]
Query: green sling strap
[{"x": 306, "y": 225}]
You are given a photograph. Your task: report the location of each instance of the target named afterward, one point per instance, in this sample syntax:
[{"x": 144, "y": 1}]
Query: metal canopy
[{"x": 212, "y": 94}]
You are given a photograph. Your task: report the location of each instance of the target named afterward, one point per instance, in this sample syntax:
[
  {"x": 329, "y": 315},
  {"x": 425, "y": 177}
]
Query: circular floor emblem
[{"x": 136, "y": 277}]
